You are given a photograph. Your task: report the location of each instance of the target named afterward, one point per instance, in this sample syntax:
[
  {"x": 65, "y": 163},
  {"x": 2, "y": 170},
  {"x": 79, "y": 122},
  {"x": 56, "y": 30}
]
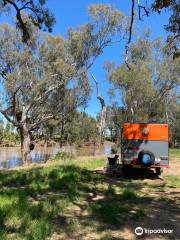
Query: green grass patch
[
  {"x": 109, "y": 211},
  {"x": 90, "y": 164},
  {"x": 140, "y": 213},
  {"x": 31, "y": 199},
  {"x": 114, "y": 208},
  {"x": 35, "y": 202},
  {"x": 174, "y": 152},
  {"x": 173, "y": 181},
  {"x": 129, "y": 194}
]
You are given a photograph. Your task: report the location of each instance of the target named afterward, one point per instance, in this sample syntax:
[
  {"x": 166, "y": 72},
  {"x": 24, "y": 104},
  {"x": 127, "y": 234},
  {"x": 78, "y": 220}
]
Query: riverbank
[
  {"x": 72, "y": 200},
  {"x": 9, "y": 144},
  {"x": 37, "y": 143},
  {"x": 43, "y": 143},
  {"x": 10, "y": 157}
]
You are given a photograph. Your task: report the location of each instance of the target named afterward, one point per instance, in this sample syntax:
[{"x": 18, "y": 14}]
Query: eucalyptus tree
[
  {"x": 29, "y": 79},
  {"x": 142, "y": 8},
  {"x": 66, "y": 104},
  {"x": 36, "y": 77},
  {"x": 116, "y": 115},
  {"x": 80, "y": 129},
  {"x": 152, "y": 79},
  {"x": 37, "y": 11},
  {"x": 173, "y": 27},
  {"x": 87, "y": 42}
]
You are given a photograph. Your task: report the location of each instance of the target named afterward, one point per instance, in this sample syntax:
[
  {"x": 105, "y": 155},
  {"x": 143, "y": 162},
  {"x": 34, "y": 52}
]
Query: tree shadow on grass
[
  {"x": 33, "y": 203},
  {"x": 31, "y": 199},
  {"x": 130, "y": 209}
]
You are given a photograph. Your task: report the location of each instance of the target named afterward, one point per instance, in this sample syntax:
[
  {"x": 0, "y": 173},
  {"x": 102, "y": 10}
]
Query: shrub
[{"x": 62, "y": 156}]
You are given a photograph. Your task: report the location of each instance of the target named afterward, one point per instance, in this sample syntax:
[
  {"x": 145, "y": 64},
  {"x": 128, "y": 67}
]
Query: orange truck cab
[{"x": 145, "y": 145}]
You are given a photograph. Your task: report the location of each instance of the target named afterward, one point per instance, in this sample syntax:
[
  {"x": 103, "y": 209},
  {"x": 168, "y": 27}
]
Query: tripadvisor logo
[{"x": 139, "y": 231}]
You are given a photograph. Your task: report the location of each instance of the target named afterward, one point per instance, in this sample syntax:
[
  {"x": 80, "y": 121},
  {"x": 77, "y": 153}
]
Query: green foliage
[
  {"x": 48, "y": 79},
  {"x": 149, "y": 87},
  {"x": 140, "y": 213},
  {"x": 114, "y": 119},
  {"x": 173, "y": 25},
  {"x": 38, "y": 15},
  {"x": 89, "y": 40},
  {"x": 62, "y": 156},
  {"x": 8, "y": 135},
  {"x": 113, "y": 208},
  {"x": 172, "y": 43},
  {"x": 81, "y": 129},
  {"x": 110, "y": 211},
  {"x": 73, "y": 127},
  {"x": 174, "y": 122},
  {"x": 91, "y": 164}
]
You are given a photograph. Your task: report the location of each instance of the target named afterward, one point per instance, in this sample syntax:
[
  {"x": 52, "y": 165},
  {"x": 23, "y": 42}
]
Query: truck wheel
[
  {"x": 158, "y": 171},
  {"x": 146, "y": 158}
]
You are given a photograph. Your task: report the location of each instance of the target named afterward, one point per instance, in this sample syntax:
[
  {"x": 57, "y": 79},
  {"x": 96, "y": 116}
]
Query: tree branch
[
  {"x": 25, "y": 5},
  {"x": 131, "y": 23},
  {"x": 44, "y": 119},
  {"x": 5, "y": 114},
  {"x": 96, "y": 82},
  {"x": 43, "y": 96},
  {"x": 130, "y": 36},
  {"x": 14, "y": 99},
  {"x": 139, "y": 10},
  {"x": 99, "y": 97},
  {"x": 25, "y": 32}
]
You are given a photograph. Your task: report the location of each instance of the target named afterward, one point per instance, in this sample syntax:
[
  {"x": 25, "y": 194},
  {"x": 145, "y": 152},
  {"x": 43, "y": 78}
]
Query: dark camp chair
[{"x": 113, "y": 160}]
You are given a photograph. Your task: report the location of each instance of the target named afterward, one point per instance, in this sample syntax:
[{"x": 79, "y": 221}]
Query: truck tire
[{"x": 146, "y": 158}]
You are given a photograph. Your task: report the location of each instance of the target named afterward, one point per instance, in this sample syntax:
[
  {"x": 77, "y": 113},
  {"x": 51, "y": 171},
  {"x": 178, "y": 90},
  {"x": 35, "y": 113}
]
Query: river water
[{"x": 11, "y": 156}]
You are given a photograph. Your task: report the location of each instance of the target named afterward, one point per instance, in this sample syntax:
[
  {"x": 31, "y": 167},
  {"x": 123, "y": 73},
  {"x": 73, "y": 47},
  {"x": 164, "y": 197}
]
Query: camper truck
[{"x": 145, "y": 145}]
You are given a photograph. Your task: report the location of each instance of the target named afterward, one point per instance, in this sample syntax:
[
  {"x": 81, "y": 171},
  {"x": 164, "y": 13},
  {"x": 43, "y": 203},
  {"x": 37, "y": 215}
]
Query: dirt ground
[
  {"x": 174, "y": 167},
  {"x": 163, "y": 211}
]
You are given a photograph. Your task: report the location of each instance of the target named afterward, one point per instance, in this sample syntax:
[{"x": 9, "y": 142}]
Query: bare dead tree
[{"x": 102, "y": 118}]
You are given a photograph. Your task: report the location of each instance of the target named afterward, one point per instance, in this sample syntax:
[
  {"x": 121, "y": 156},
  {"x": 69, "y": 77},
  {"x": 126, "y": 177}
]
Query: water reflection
[
  {"x": 12, "y": 162},
  {"x": 11, "y": 156}
]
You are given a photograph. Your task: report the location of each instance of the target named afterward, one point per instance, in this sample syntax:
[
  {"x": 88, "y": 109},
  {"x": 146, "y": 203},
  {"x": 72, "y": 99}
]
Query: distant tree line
[
  {"x": 8, "y": 134},
  {"x": 78, "y": 129}
]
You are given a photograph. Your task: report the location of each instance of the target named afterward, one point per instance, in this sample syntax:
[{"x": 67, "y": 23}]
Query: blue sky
[{"x": 72, "y": 13}]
